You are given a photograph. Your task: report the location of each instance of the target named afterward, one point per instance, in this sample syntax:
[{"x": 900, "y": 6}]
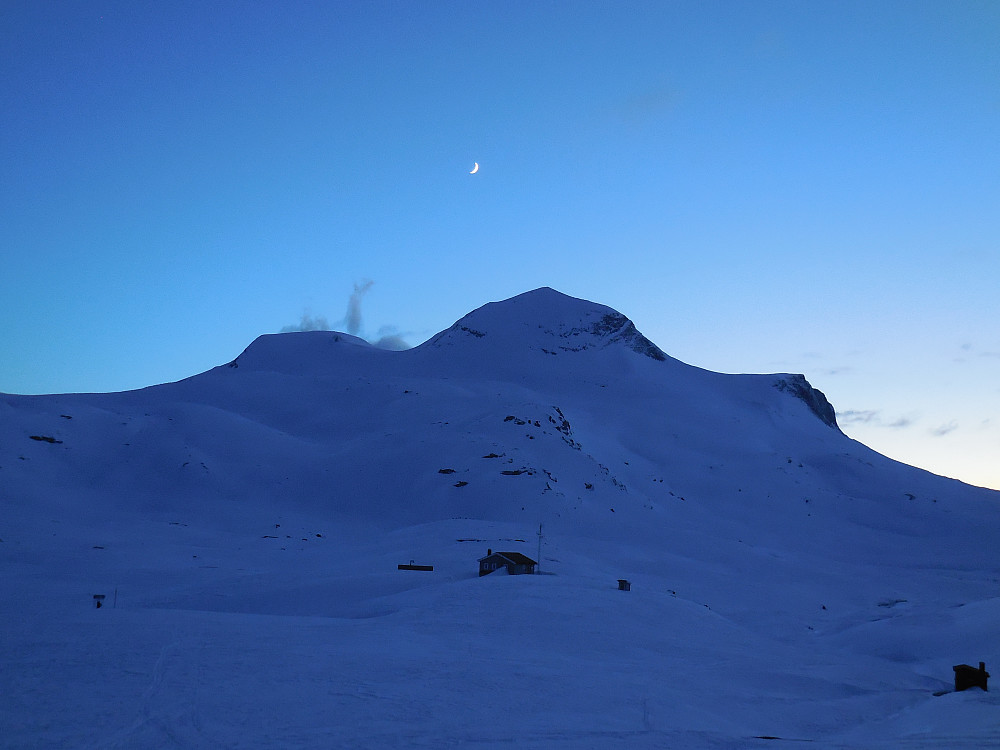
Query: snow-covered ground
[{"x": 245, "y": 526}]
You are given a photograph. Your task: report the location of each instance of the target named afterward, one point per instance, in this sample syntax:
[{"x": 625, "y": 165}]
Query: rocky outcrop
[{"x": 799, "y": 387}]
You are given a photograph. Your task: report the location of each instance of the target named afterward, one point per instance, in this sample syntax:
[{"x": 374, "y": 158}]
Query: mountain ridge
[
  {"x": 543, "y": 321},
  {"x": 552, "y": 384}
]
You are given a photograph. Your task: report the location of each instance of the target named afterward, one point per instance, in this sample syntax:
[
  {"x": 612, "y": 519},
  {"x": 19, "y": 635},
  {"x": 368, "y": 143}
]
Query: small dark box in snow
[{"x": 967, "y": 677}]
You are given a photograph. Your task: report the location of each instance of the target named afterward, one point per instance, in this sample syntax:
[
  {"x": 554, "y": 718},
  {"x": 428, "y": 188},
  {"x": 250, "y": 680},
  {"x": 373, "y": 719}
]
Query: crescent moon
[{"x": 475, "y": 168}]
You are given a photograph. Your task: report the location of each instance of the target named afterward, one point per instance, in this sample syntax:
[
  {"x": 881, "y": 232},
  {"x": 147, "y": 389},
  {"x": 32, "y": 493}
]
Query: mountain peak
[
  {"x": 551, "y": 321},
  {"x": 301, "y": 352}
]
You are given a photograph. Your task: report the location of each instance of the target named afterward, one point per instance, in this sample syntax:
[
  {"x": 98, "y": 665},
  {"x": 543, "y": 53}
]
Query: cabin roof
[{"x": 512, "y": 557}]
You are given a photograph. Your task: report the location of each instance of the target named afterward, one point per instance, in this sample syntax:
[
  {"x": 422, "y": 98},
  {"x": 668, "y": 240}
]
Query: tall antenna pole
[{"x": 538, "y": 567}]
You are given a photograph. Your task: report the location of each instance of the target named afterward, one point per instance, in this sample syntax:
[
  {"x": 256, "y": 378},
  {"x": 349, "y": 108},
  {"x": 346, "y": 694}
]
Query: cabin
[
  {"x": 514, "y": 562},
  {"x": 967, "y": 677}
]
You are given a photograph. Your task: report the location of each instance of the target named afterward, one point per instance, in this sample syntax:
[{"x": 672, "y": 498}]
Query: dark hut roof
[{"x": 513, "y": 557}]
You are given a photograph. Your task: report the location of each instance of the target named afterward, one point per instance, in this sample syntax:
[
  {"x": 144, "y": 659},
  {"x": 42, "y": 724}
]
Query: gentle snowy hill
[{"x": 246, "y": 524}]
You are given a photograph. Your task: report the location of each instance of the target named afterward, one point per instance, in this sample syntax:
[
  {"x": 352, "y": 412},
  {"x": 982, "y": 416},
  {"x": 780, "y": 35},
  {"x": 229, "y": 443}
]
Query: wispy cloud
[
  {"x": 308, "y": 323},
  {"x": 969, "y": 349},
  {"x": 853, "y": 416},
  {"x": 874, "y": 417},
  {"x": 353, "y": 317},
  {"x": 393, "y": 343},
  {"x": 388, "y": 336},
  {"x": 944, "y": 429}
]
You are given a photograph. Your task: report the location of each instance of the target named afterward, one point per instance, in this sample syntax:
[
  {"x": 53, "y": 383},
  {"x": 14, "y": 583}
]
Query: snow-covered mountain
[{"x": 245, "y": 525}]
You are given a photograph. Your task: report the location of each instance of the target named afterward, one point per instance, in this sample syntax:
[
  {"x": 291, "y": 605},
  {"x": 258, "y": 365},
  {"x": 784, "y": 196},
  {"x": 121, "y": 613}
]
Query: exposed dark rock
[
  {"x": 799, "y": 387},
  {"x": 619, "y": 328},
  {"x": 562, "y": 424}
]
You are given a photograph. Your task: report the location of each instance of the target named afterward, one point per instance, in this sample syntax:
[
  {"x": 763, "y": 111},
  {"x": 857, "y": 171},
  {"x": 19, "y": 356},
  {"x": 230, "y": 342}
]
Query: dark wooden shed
[
  {"x": 514, "y": 562},
  {"x": 967, "y": 677}
]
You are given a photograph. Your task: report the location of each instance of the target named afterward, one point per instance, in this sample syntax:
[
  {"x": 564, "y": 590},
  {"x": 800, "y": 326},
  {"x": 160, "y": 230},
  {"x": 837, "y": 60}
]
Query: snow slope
[{"x": 246, "y": 524}]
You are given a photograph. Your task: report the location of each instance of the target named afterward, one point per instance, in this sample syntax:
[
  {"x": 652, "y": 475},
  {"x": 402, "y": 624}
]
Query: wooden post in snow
[{"x": 538, "y": 565}]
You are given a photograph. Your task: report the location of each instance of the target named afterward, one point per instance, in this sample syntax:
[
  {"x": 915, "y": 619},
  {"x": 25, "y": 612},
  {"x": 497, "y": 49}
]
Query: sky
[{"x": 761, "y": 187}]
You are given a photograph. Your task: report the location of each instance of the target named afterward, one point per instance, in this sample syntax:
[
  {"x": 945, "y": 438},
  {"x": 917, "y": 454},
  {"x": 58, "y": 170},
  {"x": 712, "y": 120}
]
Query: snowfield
[{"x": 789, "y": 586}]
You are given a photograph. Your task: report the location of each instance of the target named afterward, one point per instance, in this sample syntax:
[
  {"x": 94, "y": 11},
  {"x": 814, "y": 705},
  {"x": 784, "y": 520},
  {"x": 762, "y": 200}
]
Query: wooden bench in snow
[{"x": 411, "y": 566}]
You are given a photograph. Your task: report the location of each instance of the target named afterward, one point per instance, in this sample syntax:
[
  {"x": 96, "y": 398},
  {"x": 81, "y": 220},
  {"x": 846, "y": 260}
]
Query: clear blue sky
[{"x": 761, "y": 186}]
